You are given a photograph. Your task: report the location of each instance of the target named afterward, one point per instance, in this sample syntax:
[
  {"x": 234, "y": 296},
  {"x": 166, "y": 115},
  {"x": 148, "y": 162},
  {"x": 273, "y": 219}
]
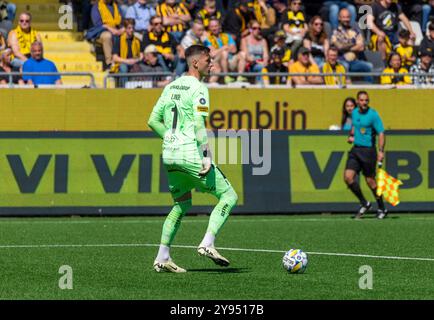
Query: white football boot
[
  {"x": 214, "y": 255},
  {"x": 168, "y": 266}
]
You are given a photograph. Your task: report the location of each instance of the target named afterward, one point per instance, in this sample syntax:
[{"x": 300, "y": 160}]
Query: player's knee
[{"x": 231, "y": 197}]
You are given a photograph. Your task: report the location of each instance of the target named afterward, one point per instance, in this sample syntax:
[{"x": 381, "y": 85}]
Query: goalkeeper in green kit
[{"x": 179, "y": 119}]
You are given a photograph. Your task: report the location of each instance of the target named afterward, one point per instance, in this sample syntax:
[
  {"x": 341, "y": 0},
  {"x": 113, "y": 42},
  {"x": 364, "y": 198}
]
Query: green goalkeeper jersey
[{"x": 181, "y": 108}]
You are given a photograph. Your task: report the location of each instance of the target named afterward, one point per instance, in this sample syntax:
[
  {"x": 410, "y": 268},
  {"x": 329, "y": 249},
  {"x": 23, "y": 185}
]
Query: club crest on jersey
[
  {"x": 202, "y": 101},
  {"x": 362, "y": 130}
]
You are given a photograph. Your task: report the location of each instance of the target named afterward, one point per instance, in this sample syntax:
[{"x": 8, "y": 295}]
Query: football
[{"x": 295, "y": 261}]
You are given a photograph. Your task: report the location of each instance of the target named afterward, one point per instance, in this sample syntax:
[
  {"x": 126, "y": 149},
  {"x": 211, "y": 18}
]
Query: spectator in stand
[
  {"x": 37, "y": 63},
  {"x": 276, "y": 66},
  {"x": 280, "y": 45},
  {"x": 195, "y": 35},
  {"x": 209, "y": 11},
  {"x": 7, "y": 16},
  {"x": 294, "y": 24},
  {"x": 347, "y": 111},
  {"x": 334, "y": 7},
  {"x": 304, "y": 64},
  {"x": 394, "y": 65},
  {"x": 255, "y": 48},
  {"x": 126, "y": 51},
  {"x": 124, "y": 6},
  {"x": 333, "y": 66},
  {"x": 349, "y": 41},
  {"x": 170, "y": 52},
  {"x": 237, "y": 19},
  {"x": 20, "y": 40},
  {"x": 107, "y": 24},
  {"x": 427, "y": 43},
  {"x": 150, "y": 64},
  {"x": 141, "y": 12},
  {"x": 425, "y": 67},
  {"x": 405, "y": 49},
  {"x": 265, "y": 15},
  {"x": 279, "y": 7},
  {"x": 3, "y": 44},
  {"x": 5, "y": 66},
  {"x": 175, "y": 18},
  {"x": 427, "y": 11},
  {"x": 224, "y": 52},
  {"x": 384, "y": 22},
  {"x": 316, "y": 40}
]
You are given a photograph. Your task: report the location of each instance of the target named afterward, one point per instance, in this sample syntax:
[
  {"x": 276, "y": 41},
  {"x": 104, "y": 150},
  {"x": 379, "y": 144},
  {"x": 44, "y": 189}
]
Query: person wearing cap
[
  {"x": 276, "y": 65},
  {"x": 428, "y": 41},
  {"x": 425, "y": 67},
  {"x": 304, "y": 64},
  {"x": 150, "y": 64},
  {"x": 280, "y": 45}
]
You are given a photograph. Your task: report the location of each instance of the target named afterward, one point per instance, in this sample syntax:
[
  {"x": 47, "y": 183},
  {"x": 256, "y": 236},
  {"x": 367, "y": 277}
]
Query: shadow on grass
[{"x": 220, "y": 270}]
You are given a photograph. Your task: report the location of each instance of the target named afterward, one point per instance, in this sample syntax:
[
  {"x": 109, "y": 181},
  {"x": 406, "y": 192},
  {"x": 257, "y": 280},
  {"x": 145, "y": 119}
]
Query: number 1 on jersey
[{"x": 175, "y": 117}]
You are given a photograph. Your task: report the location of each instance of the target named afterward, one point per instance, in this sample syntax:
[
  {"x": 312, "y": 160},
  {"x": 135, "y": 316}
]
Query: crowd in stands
[
  {"x": 306, "y": 37},
  {"x": 260, "y": 36}
]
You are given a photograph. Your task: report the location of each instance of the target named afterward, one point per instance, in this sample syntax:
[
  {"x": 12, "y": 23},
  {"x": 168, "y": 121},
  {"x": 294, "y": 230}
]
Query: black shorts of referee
[{"x": 363, "y": 159}]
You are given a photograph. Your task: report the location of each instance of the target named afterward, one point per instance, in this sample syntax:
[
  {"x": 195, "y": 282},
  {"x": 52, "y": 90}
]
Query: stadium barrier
[
  {"x": 64, "y": 173},
  {"x": 241, "y": 108},
  {"x": 11, "y": 75},
  {"x": 255, "y": 79}
]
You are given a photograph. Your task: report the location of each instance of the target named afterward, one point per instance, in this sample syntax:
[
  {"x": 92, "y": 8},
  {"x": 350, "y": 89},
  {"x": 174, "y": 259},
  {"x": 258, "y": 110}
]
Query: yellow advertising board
[{"x": 282, "y": 109}]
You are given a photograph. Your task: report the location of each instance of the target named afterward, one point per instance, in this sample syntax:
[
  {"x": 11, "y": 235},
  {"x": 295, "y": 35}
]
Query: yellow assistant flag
[{"x": 388, "y": 186}]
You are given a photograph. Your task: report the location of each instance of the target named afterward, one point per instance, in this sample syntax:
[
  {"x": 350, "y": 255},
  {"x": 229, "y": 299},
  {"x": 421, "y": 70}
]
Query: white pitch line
[
  {"x": 36, "y": 246},
  {"x": 205, "y": 220}
]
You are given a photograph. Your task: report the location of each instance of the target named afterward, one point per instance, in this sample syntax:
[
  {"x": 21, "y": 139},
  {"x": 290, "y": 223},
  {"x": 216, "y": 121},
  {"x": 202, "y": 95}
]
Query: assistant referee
[{"x": 363, "y": 157}]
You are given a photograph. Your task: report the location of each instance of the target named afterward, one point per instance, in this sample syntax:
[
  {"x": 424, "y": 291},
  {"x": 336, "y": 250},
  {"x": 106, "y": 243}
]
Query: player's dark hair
[
  {"x": 361, "y": 93},
  {"x": 195, "y": 50},
  {"x": 345, "y": 114}
]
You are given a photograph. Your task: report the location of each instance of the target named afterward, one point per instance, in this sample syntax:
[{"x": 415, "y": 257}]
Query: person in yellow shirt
[
  {"x": 395, "y": 66},
  {"x": 304, "y": 64},
  {"x": 405, "y": 49},
  {"x": 20, "y": 40},
  {"x": 333, "y": 66}
]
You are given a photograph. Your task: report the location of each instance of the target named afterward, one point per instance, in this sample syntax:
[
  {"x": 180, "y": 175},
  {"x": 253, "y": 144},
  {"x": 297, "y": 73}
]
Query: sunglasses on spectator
[
  {"x": 24, "y": 21},
  {"x": 157, "y": 23},
  {"x": 318, "y": 24},
  {"x": 256, "y": 28},
  {"x": 296, "y": 3}
]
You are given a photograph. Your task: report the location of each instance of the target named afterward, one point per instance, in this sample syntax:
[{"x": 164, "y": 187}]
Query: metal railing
[
  {"x": 12, "y": 75},
  {"x": 259, "y": 76},
  {"x": 154, "y": 76}
]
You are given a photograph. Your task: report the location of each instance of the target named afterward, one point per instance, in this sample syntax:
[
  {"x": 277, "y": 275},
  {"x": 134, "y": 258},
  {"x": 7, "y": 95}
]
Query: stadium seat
[{"x": 374, "y": 57}]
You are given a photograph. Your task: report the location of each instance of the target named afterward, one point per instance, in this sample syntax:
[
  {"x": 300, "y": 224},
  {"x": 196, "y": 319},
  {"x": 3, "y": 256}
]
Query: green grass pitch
[{"x": 111, "y": 258}]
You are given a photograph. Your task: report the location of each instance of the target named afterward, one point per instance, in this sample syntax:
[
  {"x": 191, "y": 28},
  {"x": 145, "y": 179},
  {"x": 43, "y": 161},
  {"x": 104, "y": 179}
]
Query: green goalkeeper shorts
[{"x": 183, "y": 178}]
